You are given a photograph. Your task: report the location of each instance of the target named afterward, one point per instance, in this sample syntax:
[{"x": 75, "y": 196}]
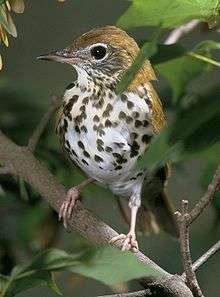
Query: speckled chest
[{"x": 104, "y": 134}]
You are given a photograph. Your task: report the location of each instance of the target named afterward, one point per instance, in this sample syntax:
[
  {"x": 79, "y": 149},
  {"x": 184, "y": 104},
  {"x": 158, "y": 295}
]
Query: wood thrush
[{"x": 104, "y": 134}]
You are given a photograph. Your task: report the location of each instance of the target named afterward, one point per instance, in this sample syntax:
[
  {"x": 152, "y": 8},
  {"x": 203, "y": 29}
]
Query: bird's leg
[
  {"x": 129, "y": 240},
  {"x": 69, "y": 202}
]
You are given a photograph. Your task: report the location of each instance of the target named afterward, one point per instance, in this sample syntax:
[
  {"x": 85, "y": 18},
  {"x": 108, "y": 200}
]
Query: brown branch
[
  {"x": 206, "y": 198},
  {"x": 34, "y": 139},
  {"x": 181, "y": 31},
  {"x": 182, "y": 218},
  {"x": 142, "y": 293},
  {"x": 87, "y": 224}
]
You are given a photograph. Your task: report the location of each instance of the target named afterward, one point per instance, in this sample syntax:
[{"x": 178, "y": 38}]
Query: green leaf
[
  {"x": 167, "y": 13},
  {"x": 106, "y": 264},
  {"x": 110, "y": 265},
  {"x": 36, "y": 279},
  {"x": 166, "y": 52},
  {"x": 206, "y": 46},
  {"x": 194, "y": 116},
  {"x": 180, "y": 72},
  {"x": 7, "y": 22},
  {"x": 147, "y": 50},
  {"x": 17, "y": 6}
]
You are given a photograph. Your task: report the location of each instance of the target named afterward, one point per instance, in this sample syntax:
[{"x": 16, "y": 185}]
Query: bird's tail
[{"x": 157, "y": 211}]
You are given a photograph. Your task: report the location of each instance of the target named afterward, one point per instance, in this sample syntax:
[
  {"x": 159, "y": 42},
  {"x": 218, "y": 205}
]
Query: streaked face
[{"x": 100, "y": 51}]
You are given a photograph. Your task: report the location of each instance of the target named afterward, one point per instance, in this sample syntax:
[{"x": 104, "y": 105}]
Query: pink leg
[
  {"x": 68, "y": 204},
  {"x": 129, "y": 240}
]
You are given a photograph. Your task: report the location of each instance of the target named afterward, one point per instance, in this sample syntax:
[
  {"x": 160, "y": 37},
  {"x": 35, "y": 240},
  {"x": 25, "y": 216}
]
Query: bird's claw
[
  {"x": 129, "y": 241},
  {"x": 68, "y": 204}
]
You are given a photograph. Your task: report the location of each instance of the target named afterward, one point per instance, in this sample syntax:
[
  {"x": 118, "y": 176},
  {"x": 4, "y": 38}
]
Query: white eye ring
[{"x": 98, "y": 51}]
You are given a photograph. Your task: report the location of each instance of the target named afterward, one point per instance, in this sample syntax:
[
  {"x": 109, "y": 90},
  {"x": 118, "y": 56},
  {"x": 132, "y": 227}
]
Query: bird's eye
[{"x": 98, "y": 52}]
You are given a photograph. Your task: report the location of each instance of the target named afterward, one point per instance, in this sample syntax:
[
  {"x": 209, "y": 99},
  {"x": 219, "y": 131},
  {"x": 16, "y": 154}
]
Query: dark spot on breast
[
  {"x": 108, "y": 123},
  {"x": 119, "y": 144},
  {"x": 108, "y": 149},
  {"x": 85, "y": 162},
  {"x": 140, "y": 174},
  {"x": 122, "y": 115},
  {"x": 129, "y": 119},
  {"x": 82, "y": 89},
  {"x": 73, "y": 153},
  {"x": 81, "y": 145},
  {"x": 65, "y": 125},
  {"x": 70, "y": 86},
  {"x": 135, "y": 114},
  {"x": 133, "y": 178},
  {"x": 124, "y": 98},
  {"x": 82, "y": 108},
  {"x": 121, "y": 160},
  {"x": 146, "y": 138},
  {"x": 134, "y": 149},
  {"x": 86, "y": 154},
  {"x": 118, "y": 167},
  {"x": 100, "y": 141},
  {"x": 138, "y": 123},
  {"x": 84, "y": 129},
  {"x": 96, "y": 118},
  {"x": 77, "y": 129},
  {"x": 130, "y": 105},
  {"x": 116, "y": 155},
  {"x": 98, "y": 158},
  {"x": 145, "y": 123},
  {"x": 134, "y": 135},
  {"x": 67, "y": 143},
  {"x": 85, "y": 100},
  {"x": 107, "y": 111}
]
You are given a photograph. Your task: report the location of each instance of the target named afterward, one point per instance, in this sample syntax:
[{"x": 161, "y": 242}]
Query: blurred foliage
[
  {"x": 7, "y": 25},
  {"x": 97, "y": 263},
  {"x": 192, "y": 134},
  {"x": 168, "y": 13}
]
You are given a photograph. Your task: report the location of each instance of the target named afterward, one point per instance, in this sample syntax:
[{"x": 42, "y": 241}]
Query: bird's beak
[{"x": 62, "y": 56}]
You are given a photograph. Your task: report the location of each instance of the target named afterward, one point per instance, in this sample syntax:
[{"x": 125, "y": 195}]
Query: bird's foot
[
  {"x": 129, "y": 241},
  {"x": 68, "y": 204}
]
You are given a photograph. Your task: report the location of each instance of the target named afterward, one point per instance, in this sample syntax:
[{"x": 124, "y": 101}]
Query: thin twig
[
  {"x": 34, "y": 139},
  {"x": 204, "y": 258},
  {"x": 142, "y": 293},
  {"x": 181, "y": 31},
  {"x": 182, "y": 218},
  {"x": 206, "y": 199}
]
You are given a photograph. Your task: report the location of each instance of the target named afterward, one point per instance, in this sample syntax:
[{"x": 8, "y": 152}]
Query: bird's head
[{"x": 102, "y": 52}]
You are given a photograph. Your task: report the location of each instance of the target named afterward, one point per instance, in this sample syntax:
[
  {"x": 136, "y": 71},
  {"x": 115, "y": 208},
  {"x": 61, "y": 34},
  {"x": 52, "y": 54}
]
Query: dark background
[{"x": 26, "y": 86}]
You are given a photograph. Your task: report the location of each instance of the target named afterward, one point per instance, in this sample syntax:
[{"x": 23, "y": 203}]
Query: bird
[{"x": 105, "y": 133}]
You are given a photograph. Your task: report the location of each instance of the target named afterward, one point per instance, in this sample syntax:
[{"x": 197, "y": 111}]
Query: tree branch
[
  {"x": 34, "y": 139},
  {"x": 204, "y": 258},
  {"x": 185, "y": 250},
  {"x": 181, "y": 31},
  {"x": 142, "y": 293},
  {"x": 206, "y": 199},
  {"x": 88, "y": 225}
]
